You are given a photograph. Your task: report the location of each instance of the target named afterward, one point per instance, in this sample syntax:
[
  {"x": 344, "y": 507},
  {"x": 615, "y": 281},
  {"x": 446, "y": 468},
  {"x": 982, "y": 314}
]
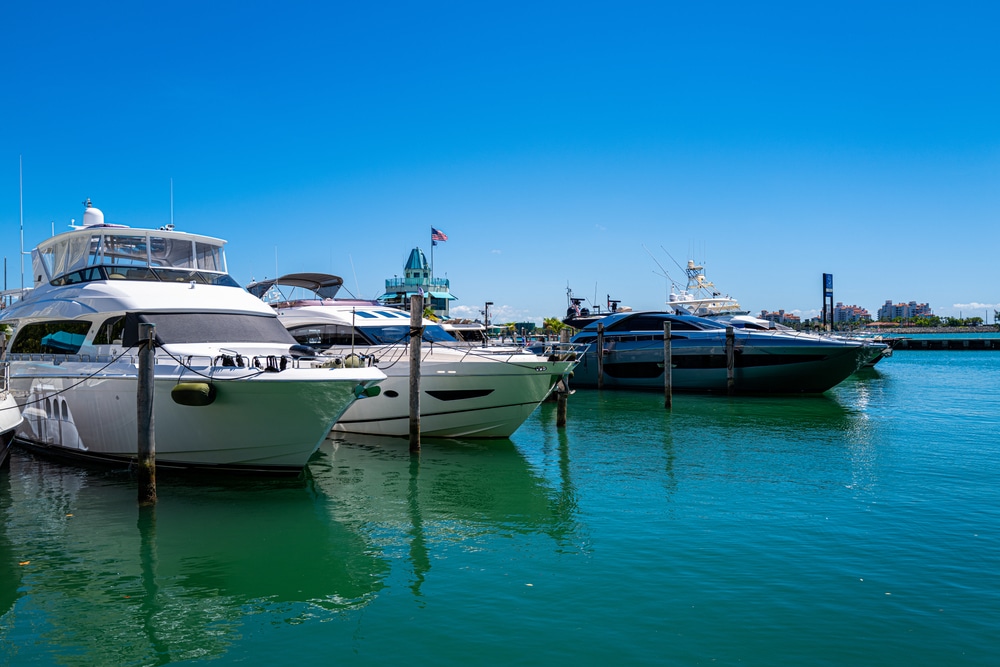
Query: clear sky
[{"x": 557, "y": 144}]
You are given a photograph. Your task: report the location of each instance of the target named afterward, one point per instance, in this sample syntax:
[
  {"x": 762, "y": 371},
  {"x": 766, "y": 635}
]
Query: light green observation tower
[{"x": 418, "y": 276}]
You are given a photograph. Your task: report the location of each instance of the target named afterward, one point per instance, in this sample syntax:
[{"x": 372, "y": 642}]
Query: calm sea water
[{"x": 861, "y": 527}]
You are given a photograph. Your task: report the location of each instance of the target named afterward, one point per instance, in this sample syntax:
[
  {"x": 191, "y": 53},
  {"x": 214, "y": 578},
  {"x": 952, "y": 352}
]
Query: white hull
[
  {"x": 264, "y": 423},
  {"x": 472, "y": 398},
  {"x": 269, "y": 422},
  {"x": 10, "y": 418}
]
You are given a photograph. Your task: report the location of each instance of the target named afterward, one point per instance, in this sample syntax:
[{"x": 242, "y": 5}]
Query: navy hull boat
[{"x": 764, "y": 362}]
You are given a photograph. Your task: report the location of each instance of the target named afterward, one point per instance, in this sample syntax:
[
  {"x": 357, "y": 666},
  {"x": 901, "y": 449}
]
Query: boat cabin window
[
  {"x": 110, "y": 332},
  {"x": 122, "y": 251},
  {"x": 207, "y": 328},
  {"x": 654, "y": 323},
  {"x": 209, "y": 257},
  {"x": 85, "y": 255},
  {"x": 322, "y": 336},
  {"x": 398, "y": 333},
  {"x": 56, "y": 337}
]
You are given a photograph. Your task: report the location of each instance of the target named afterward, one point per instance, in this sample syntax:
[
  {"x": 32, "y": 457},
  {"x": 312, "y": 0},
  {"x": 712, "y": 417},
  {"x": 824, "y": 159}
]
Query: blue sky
[{"x": 557, "y": 144}]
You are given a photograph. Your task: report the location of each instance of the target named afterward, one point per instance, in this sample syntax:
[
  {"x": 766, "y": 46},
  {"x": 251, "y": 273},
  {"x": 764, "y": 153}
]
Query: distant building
[
  {"x": 416, "y": 277},
  {"x": 850, "y": 314},
  {"x": 781, "y": 317},
  {"x": 906, "y": 311}
]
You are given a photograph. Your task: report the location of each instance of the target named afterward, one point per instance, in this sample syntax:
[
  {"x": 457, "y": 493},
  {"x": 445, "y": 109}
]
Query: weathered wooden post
[
  {"x": 730, "y": 359},
  {"x": 600, "y": 355},
  {"x": 668, "y": 365},
  {"x": 562, "y": 387},
  {"x": 416, "y": 335},
  {"x": 146, "y": 450}
]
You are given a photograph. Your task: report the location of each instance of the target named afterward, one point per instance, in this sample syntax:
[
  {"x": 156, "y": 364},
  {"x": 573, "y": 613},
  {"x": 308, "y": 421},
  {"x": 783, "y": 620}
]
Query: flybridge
[{"x": 97, "y": 251}]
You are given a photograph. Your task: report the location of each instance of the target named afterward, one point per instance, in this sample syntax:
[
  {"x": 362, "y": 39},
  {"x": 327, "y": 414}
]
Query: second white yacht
[{"x": 466, "y": 392}]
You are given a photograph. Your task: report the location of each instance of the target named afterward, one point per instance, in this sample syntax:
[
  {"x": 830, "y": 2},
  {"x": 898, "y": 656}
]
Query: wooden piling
[
  {"x": 600, "y": 355},
  {"x": 668, "y": 366},
  {"x": 562, "y": 388},
  {"x": 146, "y": 446},
  {"x": 416, "y": 335},
  {"x": 730, "y": 359}
]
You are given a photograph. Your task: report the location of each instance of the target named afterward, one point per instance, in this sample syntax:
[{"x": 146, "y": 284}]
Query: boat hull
[
  {"x": 766, "y": 366},
  {"x": 461, "y": 399},
  {"x": 270, "y": 423},
  {"x": 10, "y": 419}
]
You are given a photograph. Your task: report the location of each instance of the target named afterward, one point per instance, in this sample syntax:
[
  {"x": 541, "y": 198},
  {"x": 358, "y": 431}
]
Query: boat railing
[
  {"x": 4, "y": 377},
  {"x": 208, "y": 365},
  {"x": 551, "y": 351}
]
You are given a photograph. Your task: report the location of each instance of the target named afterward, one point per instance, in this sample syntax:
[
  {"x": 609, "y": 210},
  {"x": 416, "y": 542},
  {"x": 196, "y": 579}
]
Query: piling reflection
[
  {"x": 460, "y": 493},
  {"x": 120, "y": 585},
  {"x": 10, "y": 567}
]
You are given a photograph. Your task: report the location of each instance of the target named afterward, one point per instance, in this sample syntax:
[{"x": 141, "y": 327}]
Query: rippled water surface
[{"x": 861, "y": 527}]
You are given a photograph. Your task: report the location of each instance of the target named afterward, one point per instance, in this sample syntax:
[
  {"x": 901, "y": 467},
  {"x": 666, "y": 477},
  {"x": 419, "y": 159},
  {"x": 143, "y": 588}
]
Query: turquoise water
[{"x": 861, "y": 527}]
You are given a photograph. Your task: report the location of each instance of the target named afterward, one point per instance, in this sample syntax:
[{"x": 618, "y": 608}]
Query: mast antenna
[{"x": 20, "y": 193}]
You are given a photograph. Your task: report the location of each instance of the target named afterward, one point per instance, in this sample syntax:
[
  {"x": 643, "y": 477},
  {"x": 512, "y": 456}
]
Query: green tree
[{"x": 553, "y": 325}]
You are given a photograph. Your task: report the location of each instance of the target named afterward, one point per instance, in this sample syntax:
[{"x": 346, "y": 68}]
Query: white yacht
[
  {"x": 701, "y": 299},
  {"x": 230, "y": 392},
  {"x": 466, "y": 391}
]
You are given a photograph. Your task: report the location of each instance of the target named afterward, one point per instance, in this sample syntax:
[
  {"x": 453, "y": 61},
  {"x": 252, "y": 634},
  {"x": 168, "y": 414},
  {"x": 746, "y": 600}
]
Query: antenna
[
  {"x": 357, "y": 285},
  {"x": 171, "y": 203},
  {"x": 672, "y": 259},
  {"x": 20, "y": 193},
  {"x": 657, "y": 262}
]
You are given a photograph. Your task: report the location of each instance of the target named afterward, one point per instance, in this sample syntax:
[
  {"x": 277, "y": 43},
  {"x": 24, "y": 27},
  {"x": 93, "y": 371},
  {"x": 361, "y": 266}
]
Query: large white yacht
[
  {"x": 466, "y": 392},
  {"x": 229, "y": 390}
]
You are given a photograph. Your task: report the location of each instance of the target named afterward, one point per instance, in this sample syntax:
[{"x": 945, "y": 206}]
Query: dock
[{"x": 946, "y": 344}]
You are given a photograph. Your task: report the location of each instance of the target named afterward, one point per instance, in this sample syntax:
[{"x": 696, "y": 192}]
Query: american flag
[{"x": 438, "y": 235}]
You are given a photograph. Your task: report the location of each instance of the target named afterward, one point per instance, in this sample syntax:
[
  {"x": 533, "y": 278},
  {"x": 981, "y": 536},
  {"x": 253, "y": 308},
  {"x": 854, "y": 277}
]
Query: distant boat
[
  {"x": 465, "y": 391},
  {"x": 701, "y": 299},
  {"x": 775, "y": 361},
  {"x": 230, "y": 390},
  {"x": 467, "y": 331},
  {"x": 579, "y": 315}
]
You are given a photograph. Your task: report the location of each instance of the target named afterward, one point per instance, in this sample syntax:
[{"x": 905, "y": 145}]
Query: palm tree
[{"x": 553, "y": 325}]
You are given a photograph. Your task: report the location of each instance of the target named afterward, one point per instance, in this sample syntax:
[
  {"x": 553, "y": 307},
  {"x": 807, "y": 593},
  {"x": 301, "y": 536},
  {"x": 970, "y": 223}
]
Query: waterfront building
[
  {"x": 781, "y": 317},
  {"x": 418, "y": 278},
  {"x": 906, "y": 311},
  {"x": 850, "y": 314}
]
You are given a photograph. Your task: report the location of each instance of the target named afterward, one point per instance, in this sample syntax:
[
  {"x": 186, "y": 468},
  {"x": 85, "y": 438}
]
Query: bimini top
[
  {"x": 97, "y": 251},
  {"x": 324, "y": 285}
]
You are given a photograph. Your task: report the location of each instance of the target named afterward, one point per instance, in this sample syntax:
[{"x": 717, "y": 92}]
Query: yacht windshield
[
  {"x": 208, "y": 328},
  {"x": 397, "y": 333},
  {"x": 124, "y": 254}
]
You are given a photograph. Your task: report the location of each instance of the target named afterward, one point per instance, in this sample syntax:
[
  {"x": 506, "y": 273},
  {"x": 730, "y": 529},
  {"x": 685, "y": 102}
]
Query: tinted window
[
  {"x": 58, "y": 337},
  {"x": 322, "y": 336}
]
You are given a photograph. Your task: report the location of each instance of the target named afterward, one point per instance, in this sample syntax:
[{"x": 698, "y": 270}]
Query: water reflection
[
  {"x": 10, "y": 568},
  {"x": 107, "y": 583},
  {"x": 454, "y": 493},
  {"x": 118, "y": 585},
  {"x": 629, "y": 444}
]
